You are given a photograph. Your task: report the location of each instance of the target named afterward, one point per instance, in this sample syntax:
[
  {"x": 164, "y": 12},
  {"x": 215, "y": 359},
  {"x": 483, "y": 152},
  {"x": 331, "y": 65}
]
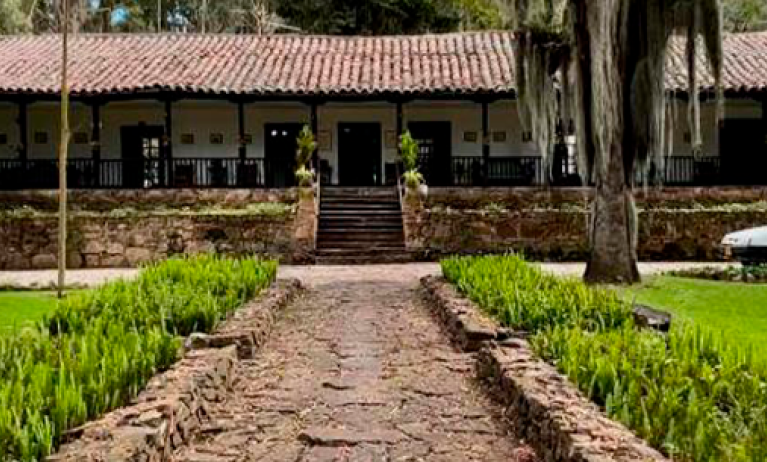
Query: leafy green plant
[
  {"x": 306, "y": 146},
  {"x": 527, "y": 298},
  {"x": 304, "y": 177},
  {"x": 99, "y": 348},
  {"x": 412, "y": 179},
  {"x": 409, "y": 154},
  {"x": 692, "y": 393}
]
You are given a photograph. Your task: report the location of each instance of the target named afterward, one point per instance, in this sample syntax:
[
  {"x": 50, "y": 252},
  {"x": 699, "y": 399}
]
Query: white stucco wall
[{"x": 202, "y": 118}]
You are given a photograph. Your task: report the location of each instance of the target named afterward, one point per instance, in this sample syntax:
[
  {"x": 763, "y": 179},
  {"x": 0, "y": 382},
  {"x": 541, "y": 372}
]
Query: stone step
[
  {"x": 360, "y": 222},
  {"x": 360, "y": 245},
  {"x": 392, "y": 257},
  {"x": 380, "y": 192},
  {"x": 328, "y": 213},
  {"x": 359, "y": 248},
  {"x": 327, "y": 206},
  {"x": 346, "y": 229},
  {"x": 354, "y": 200},
  {"x": 338, "y": 240},
  {"x": 360, "y": 225}
]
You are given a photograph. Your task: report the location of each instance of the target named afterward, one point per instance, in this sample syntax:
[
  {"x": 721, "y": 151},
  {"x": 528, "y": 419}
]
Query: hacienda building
[{"x": 224, "y": 111}]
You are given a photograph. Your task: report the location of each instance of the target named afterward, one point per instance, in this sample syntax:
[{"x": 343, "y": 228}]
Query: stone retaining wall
[
  {"x": 561, "y": 423},
  {"x": 101, "y": 241},
  {"x": 172, "y": 410},
  {"x": 675, "y": 224}
]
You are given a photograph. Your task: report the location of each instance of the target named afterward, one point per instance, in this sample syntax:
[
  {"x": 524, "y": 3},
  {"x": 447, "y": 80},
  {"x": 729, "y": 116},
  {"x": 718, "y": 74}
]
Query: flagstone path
[{"x": 357, "y": 370}]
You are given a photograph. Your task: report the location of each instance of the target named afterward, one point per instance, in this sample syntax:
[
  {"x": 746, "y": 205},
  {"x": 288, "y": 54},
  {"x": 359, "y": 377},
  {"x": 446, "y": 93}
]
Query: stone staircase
[{"x": 359, "y": 226}]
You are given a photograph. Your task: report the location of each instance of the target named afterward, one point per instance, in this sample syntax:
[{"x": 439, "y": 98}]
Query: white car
[{"x": 748, "y": 246}]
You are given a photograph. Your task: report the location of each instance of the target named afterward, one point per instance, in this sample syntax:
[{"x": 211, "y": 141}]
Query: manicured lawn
[
  {"x": 18, "y": 309},
  {"x": 738, "y": 310}
]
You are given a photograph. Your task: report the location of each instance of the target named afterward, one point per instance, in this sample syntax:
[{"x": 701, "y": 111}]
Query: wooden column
[
  {"x": 314, "y": 124},
  {"x": 23, "y": 131},
  {"x": 96, "y": 141},
  {"x": 764, "y": 122},
  {"x": 485, "y": 140},
  {"x": 400, "y": 132},
  {"x": 243, "y": 148},
  {"x": 168, "y": 143}
]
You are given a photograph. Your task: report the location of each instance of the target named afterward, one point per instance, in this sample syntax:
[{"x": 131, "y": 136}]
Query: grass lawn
[
  {"x": 738, "y": 310},
  {"x": 22, "y": 308}
]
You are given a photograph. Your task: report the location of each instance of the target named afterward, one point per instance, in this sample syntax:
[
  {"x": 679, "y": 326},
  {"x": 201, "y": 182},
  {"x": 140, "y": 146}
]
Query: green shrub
[
  {"x": 747, "y": 273},
  {"x": 413, "y": 179},
  {"x": 98, "y": 349},
  {"x": 408, "y": 148},
  {"x": 306, "y": 147},
  {"x": 526, "y": 298},
  {"x": 691, "y": 393},
  {"x": 409, "y": 154}
]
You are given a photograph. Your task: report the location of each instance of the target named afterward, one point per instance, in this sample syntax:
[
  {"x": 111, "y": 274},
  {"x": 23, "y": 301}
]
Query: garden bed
[
  {"x": 689, "y": 393},
  {"x": 560, "y": 422},
  {"x": 99, "y": 349},
  {"x": 173, "y": 409},
  {"x": 749, "y": 274}
]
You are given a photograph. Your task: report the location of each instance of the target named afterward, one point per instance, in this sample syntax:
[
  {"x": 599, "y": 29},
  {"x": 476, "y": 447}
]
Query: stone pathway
[{"x": 357, "y": 370}]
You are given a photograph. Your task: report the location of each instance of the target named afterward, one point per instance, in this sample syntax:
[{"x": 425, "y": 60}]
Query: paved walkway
[
  {"x": 79, "y": 278},
  {"x": 357, "y": 370}
]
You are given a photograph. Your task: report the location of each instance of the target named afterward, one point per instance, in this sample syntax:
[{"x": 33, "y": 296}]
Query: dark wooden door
[
  {"x": 280, "y": 146},
  {"x": 359, "y": 154},
  {"x": 435, "y": 151},
  {"x": 142, "y": 156},
  {"x": 742, "y": 153}
]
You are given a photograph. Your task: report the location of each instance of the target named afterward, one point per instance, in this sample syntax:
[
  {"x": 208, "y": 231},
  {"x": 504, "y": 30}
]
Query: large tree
[
  {"x": 373, "y": 17},
  {"x": 612, "y": 55},
  {"x": 745, "y": 15},
  {"x": 16, "y": 16}
]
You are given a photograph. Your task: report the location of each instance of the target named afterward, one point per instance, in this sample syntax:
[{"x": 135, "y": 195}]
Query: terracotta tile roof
[
  {"x": 287, "y": 65},
  {"x": 745, "y": 64},
  {"x": 273, "y": 65}
]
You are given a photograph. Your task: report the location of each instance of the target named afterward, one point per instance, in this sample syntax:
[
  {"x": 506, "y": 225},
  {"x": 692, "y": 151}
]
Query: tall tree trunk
[
  {"x": 613, "y": 233},
  {"x": 601, "y": 60},
  {"x": 63, "y": 151}
]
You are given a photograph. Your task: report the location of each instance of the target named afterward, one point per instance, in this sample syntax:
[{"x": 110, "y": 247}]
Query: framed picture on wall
[
  {"x": 470, "y": 137},
  {"x": 390, "y": 139},
  {"x": 187, "y": 138},
  {"x": 499, "y": 137},
  {"x": 247, "y": 138},
  {"x": 527, "y": 137},
  {"x": 216, "y": 138},
  {"x": 324, "y": 140},
  {"x": 41, "y": 138}
]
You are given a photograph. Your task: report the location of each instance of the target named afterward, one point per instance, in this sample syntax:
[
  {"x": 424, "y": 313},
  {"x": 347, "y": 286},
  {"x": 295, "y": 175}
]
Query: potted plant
[
  {"x": 413, "y": 179},
  {"x": 306, "y": 147}
]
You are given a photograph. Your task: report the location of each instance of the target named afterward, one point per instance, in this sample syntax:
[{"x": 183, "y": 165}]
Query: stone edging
[
  {"x": 468, "y": 327},
  {"x": 250, "y": 326},
  {"x": 174, "y": 406},
  {"x": 561, "y": 423}
]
